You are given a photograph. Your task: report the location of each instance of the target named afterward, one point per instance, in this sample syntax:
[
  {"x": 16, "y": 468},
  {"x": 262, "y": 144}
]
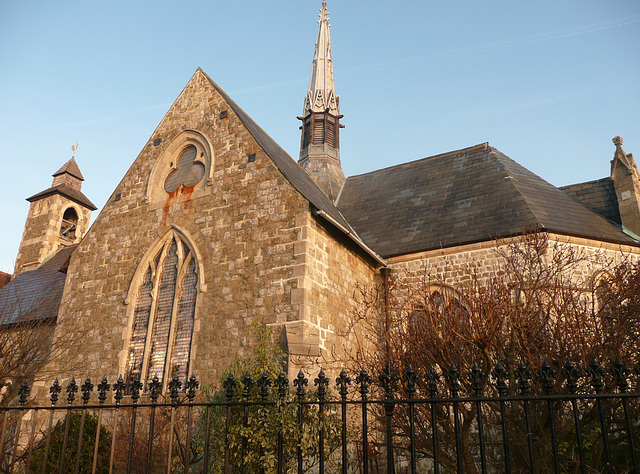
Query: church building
[{"x": 215, "y": 227}]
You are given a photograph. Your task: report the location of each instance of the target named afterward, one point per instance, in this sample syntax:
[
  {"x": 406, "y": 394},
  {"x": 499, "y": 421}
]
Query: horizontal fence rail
[{"x": 551, "y": 418}]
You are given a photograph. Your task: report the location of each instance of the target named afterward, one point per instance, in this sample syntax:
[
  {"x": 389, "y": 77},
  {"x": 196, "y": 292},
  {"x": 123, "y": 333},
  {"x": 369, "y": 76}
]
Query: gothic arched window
[{"x": 163, "y": 315}]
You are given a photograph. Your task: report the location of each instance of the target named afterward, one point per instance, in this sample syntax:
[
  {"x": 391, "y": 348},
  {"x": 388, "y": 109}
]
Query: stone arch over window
[
  {"x": 69, "y": 224},
  {"x": 162, "y": 311},
  {"x": 185, "y": 167}
]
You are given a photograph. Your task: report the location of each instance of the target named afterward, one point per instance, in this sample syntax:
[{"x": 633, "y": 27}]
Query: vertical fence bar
[
  {"x": 500, "y": 374},
  {"x": 321, "y": 382},
  {"x": 410, "y": 377},
  {"x": 596, "y": 371},
  {"x": 523, "y": 375},
  {"x": 191, "y": 386},
  {"x": 86, "y": 389},
  {"x": 342, "y": 383},
  {"x": 431, "y": 377},
  {"x": 388, "y": 379},
  {"x": 229, "y": 386},
  {"x": 476, "y": 377},
  {"x": 135, "y": 387},
  {"x": 72, "y": 388},
  {"x": 453, "y": 376},
  {"x": 24, "y": 392},
  {"x": 54, "y": 390},
  {"x": 248, "y": 383},
  {"x": 264, "y": 382},
  {"x": 283, "y": 385},
  {"x": 548, "y": 377},
  {"x": 5, "y": 418},
  {"x": 118, "y": 389},
  {"x": 103, "y": 388},
  {"x": 300, "y": 383},
  {"x": 620, "y": 372},
  {"x": 571, "y": 372},
  {"x": 154, "y": 388},
  {"x": 363, "y": 379},
  {"x": 174, "y": 393}
]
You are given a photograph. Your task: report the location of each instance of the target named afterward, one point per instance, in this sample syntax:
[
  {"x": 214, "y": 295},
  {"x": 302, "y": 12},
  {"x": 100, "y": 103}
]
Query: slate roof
[
  {"x": 291, "y": 170},
  {"x": 461, "y": 197},
  {"x": 599, "y": 196},
  {"x": 67, "y": 191},
  {"x": 35, "y": 295},
  {"x": 72, "y": 168}
]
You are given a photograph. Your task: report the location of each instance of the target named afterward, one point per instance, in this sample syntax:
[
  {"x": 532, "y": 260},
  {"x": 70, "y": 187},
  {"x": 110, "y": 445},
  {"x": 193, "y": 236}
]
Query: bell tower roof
[{"x": 321, "y": 93}]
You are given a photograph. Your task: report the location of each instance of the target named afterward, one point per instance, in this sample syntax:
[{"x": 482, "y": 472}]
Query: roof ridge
[{"x": 480, "y": 146}]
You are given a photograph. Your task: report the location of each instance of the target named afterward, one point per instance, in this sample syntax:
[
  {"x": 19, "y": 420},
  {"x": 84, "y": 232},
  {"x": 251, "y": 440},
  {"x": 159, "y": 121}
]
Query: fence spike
[
  {"x": 321, "y": 381},
  {"x": 453, "y": 377},
  {"x": 103, "y": 388},
  {"x": 154, "y": 389},
  {"x": 342, "y": 383},
  {"x": 87, "y": 388},
  {"x": 174, "y": 388},
  {"x": 24, "y": 392},
  {"x": 572, "y": 374},
  {"x": 72, "y": 388},
  {"x": 523, "y": 375},
  {"x": 476, "y": 377},
  {"x": 620, "y": 372},
  {"x": 282, "y": 382},
  {"x": 300, "y": 382},
  {"x": 548, "y": 376},
  {"x": 596, "y": 371},
  {"x": 363, "y": 379},
  {"x": 247, "y": 382},
  {"x": 264, "y": 382},
  {"x": 229, "y": 386},
  {"x": 500, "y": 374},
  {"x": 410, "y": 377},
  {"x": 192, "y": 385},
  {"x": 118, "y": 388},
  {"x": 432, "y": 377},
  {"x": 54, "y": 390}
]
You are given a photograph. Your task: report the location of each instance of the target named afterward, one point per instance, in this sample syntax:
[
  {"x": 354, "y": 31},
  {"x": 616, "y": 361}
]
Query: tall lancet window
[{"x": 163, "y": 315}]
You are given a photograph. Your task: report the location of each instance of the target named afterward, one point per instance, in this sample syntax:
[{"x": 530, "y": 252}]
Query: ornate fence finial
[
  {"x": 282, "y": 383},
  {"x": 72, "y": 388},
  {"x": 247, "y": 383},
  {"x": 300, "y": 383},
  {"x": 432, "y": 377},
  {"x": 135, "y": 386},
  {"x": 572, "y": 374},
  {"x": 523, "y": 376},
  {"x": 321, "y": 381},
  {"x": 229, "y": 386},
  {"x": 103, "y": 388},
  {"x": 548, "y": 376},
  {"x": 154, "y": 388},
  {"x": 620, "y": 372},
  {"x": 596, "y": 371},
  {"x": 86, "y": 389},
  {"x": 476, "y": 377},
  {"x": 363, "y": 379},
  {"x": 410, "y": 377},
  {"x": 174, "y": 389},
  {"x": 500, "y": 375},
  {"x": 191, "y": 386},
  {"x": 264, "y": 382},
  {"x": 54, "y": 390},
  {"x": 453, "y": 377},
  {"x": 342, "y": 384},
  {"x": 24, "y": 392},
  {"x": 118, "y": 388}
]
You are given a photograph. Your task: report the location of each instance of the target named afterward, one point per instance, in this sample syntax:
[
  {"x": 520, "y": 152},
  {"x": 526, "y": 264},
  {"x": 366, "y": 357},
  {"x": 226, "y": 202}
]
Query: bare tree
[{"x": 543, "y": 300}]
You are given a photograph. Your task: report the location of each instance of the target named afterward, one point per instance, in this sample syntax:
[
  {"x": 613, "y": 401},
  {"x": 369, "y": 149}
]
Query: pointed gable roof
[
  {"x": 72, "y": 168},
  {"x": 461, "y": 197}
]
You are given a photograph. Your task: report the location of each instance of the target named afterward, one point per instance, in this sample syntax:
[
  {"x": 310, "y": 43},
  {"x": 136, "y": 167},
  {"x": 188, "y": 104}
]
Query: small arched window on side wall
[
  {"x": 69, "y": 224},
  {"x": 163, "y": 315}
]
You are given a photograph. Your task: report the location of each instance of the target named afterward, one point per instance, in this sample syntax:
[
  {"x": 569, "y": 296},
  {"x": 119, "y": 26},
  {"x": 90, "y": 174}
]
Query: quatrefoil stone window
[{"x": 188, "y": 171}]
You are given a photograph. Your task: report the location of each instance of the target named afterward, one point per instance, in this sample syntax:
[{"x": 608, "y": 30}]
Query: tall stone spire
[{"x": 320, "y": 143}]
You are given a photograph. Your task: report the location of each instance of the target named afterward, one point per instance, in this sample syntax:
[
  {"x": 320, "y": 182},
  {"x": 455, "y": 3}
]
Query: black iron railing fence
[{"x": 544, "y": 419}]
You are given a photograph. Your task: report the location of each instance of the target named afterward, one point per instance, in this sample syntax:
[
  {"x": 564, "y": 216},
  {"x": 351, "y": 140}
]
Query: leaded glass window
[{"x": 163, "y": 315}]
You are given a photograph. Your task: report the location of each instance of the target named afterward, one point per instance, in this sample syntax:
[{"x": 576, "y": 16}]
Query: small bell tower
[
  {"x": 58, "y": 216},
  {"x": 320, "y": 143}
]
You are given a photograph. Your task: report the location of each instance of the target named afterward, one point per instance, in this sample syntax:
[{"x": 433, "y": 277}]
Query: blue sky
[{"x": 549, "y": 83}]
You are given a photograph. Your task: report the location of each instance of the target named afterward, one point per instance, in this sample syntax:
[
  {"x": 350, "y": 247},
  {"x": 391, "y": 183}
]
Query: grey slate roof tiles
[
  {"x": 598, "y": 195},
  {"x": 35, "y": 295},
  {"x": 67, "y": 191},
  {"x": 461, "y": 197}
]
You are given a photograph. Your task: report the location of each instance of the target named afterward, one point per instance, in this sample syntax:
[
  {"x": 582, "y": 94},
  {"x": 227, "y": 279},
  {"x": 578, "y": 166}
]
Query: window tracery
[{"x": 163, "y": 315}]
